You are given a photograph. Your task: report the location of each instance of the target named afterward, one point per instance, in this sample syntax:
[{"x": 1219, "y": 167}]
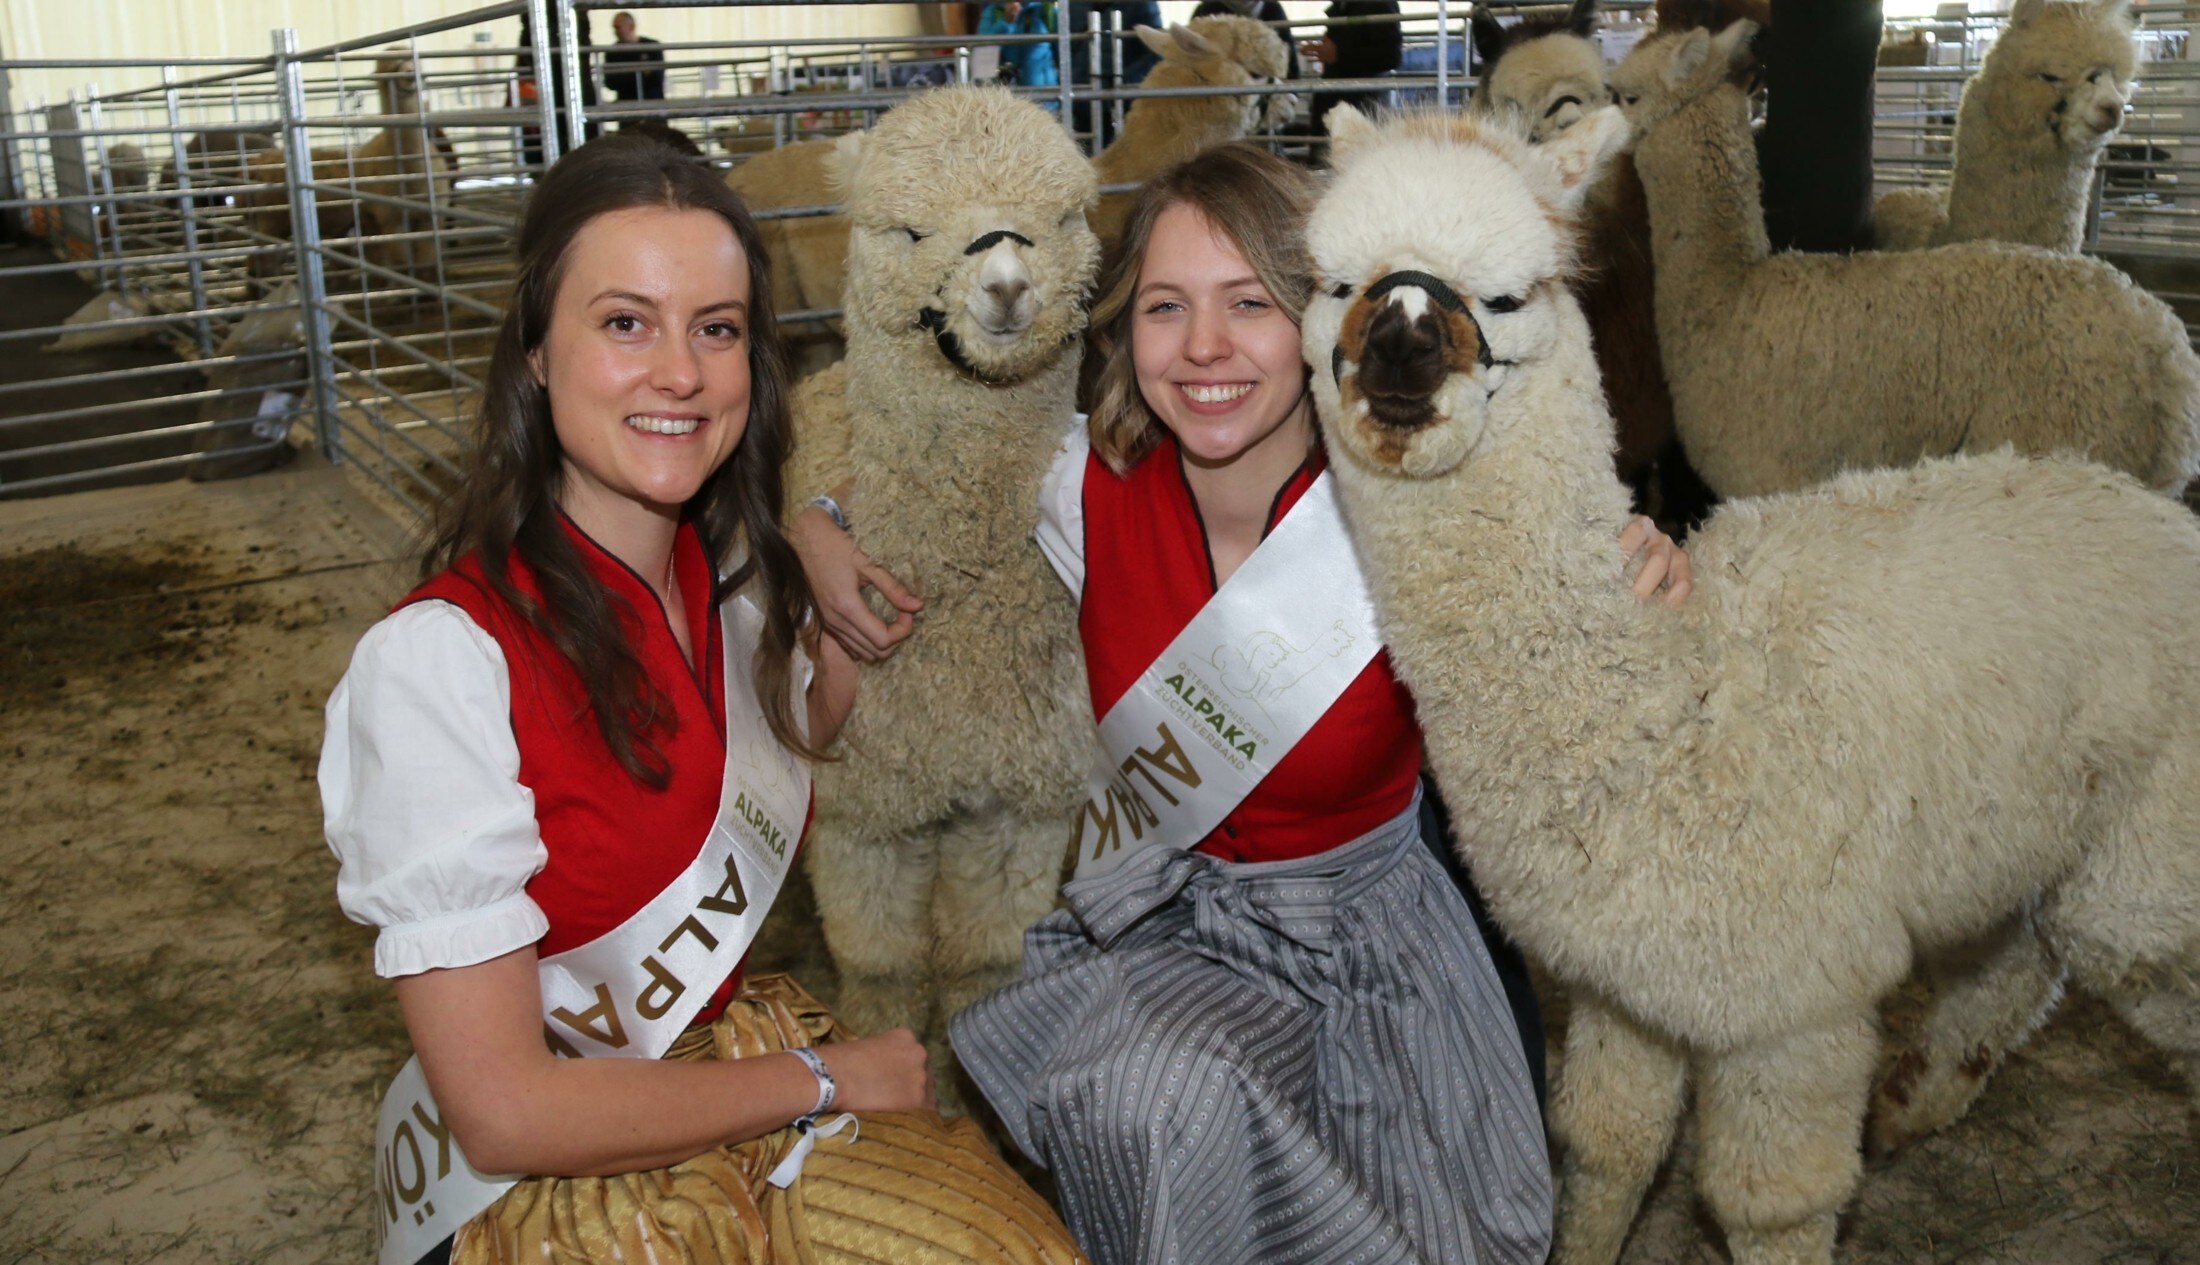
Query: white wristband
[
  {"x": 832, "y": 510},
  {"x": 826, "y": 1090}
]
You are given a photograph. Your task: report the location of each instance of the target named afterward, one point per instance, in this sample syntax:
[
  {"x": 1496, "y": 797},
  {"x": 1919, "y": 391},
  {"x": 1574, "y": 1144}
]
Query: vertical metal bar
[
  {"x": 962, "y": 64},
  {"x": 13, "y": 187},
  {"x": 188, "y": 207},
  {"x": 305, "y": 237},
  {"x": 546, "y": 88},
  {"x": 780, "y": 80},
  {"x": 1096, "y": 72},
  {"x": 1062, "y": 88},
  {"x": 95, "y": 125},
  {"x": 569, "y": 43},
  {"x": 1443, "y": 54},
  {"x": 863, "y": 60},
  {"x": 1114, "y": 51}
]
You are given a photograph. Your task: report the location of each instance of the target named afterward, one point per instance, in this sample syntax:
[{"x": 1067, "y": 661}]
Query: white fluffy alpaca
[
  {"x": 2031, "y": 128},
  {"x": 1947, "y": 709},
  {"x": 943, "y": 830}
]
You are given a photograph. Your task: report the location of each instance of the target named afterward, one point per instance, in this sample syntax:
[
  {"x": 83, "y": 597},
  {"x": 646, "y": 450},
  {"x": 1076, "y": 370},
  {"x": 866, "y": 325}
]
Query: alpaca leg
[
  {"x": 1988, "y": 1000},
  {"x": 875, "y": 898},
  {"x": 1778, "y": 1153},
  {"x": 1619, "y": 1093},
  {"x": 2128, "y": 922},
  {"x": 999, "y": 873}
]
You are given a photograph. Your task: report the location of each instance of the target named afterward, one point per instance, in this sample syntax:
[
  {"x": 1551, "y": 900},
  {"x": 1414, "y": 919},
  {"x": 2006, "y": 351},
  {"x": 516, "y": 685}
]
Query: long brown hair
[
  {"x": 1257, "y": 200},
  {"x": 507, "y": 502}
]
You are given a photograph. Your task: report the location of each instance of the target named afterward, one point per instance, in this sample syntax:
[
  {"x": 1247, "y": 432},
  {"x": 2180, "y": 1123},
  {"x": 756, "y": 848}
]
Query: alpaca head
[
  {"x": 1545, "y": 69},
  {"x": 968, "y": 231},
  {"x": 1441, "y": 251},
  {"x": 397, "y": 85},
  {"x": 2058, "y": 79},
  {"x": 1226, "y": 50},
  {"x": 1668, "y": 70}
]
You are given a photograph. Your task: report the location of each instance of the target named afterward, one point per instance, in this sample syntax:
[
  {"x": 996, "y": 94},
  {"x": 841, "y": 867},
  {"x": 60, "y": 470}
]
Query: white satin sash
[
  {"x": 631, "y": 991},
  {"x": 1233, "y": 693}
]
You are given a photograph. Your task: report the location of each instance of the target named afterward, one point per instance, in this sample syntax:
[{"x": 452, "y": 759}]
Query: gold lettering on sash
[
  {"x": 688, "y": 927},
  {"x": 1180, "y": 767},
  {"x": 409, "y": 1192},
  {"x": 660, "y": 980},
  {"x": 613, "y": 1033},
  {"x": 558, "y": 1044},
  {"x": 442, "y": 1135},
  {"x": 385, "y": 1188},
  {"x": 719, "y": 903}
]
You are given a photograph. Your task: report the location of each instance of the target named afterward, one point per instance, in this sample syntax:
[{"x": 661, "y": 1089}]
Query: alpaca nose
[
  {"x": 1007, "y": 290},
  {"x": 1405, "y": 352}
]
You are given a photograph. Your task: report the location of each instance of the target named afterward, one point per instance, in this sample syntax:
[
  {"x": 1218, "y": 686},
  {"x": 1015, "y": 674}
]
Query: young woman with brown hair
[{"x": 568, "y": 774}]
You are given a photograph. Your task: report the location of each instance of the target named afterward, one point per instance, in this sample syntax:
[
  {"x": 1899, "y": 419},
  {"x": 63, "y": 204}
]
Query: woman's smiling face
[
  {"x": 646, "y": 360},
  {"x": 1217, "y": 357}
]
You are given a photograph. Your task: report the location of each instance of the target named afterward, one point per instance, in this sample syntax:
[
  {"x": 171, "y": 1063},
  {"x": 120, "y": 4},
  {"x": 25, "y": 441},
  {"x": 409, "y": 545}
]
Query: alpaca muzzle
[{"x": 1416, "y": 333}]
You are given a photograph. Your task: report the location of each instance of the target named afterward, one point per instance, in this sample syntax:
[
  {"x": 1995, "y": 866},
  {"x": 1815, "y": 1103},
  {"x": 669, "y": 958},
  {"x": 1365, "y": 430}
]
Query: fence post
[
  {"x": 569, "y": 46},
  {"x": 187, "y": 206},
  {"x": 305, "y": 238},
  {"x": 546, "y": 89},
  {"x": 1443, "y": 54}
]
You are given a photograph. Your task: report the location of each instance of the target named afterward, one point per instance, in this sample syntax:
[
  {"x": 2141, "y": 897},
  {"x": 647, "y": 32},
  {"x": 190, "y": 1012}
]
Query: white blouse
[
  {"x": 420, "y": 795},
  {"x": 1061, "y": 529}
]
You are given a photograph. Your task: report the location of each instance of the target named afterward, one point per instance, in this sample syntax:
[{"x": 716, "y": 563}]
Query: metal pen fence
[{"x": 322, "y": 237}]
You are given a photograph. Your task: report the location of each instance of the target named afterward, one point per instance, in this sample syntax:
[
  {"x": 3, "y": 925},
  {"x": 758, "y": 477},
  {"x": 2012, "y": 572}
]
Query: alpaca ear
[
  {"x": 2026, "y": 12},
  {"x": 1583, "y": 18},
  {"x": 1489, "y": 38},
  {"x": 1348, "y": 130},
  {"x": 1731, "y": 46},
  {"x": 2116, "y": 11},
  {"x": 1580, "y": 153},
  {"x": 1690, "y": 52},
  {"x": 840, "y": 164}
]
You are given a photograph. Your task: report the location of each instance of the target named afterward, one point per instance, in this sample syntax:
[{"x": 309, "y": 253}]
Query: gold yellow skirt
[{"x": 913, "y": 1189}]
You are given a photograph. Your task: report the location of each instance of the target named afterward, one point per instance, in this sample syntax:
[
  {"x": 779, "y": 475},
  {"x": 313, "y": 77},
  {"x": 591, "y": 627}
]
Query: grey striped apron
[{"x": 1293, "y": 1061}]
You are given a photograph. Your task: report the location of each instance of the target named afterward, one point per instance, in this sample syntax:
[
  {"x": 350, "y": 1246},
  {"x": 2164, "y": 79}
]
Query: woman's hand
[
  {"x": 838, "y": 571},
  {"x": 886, "y": 1072},
  {"x": 1654, "y": 562}
]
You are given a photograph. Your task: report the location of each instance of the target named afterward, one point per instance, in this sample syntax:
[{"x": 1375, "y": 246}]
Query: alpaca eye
[
  {"x": 1629, "y": 98},
  {"x": 914, "y": 235},
  {"x": 2095, "y": 77},
  {"x": 1504, "y": 303},
  {"x": 2056, "y": 80},
  {"x": 1340, "y": 291}
]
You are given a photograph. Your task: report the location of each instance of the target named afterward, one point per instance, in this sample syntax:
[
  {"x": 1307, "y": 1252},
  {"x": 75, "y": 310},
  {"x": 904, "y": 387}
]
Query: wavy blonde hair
[{"x": 1258, "y": 201}]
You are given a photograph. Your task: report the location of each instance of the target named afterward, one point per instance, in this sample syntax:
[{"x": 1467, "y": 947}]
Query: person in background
[
  {"x": 1026, "y": 65},
  {"x": 641, "y": 73},
  {"x": 1354, "y": 51},
  {"x": 530, "y": 85}
]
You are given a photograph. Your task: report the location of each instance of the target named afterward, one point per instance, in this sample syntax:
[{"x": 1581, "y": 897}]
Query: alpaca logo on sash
[
  {"x": 763, "y": 765},
  {"x": 1265, "y": 666}
]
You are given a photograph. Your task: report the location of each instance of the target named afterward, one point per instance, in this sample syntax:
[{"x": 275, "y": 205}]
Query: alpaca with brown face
[{"x": 1950, "y": 712}]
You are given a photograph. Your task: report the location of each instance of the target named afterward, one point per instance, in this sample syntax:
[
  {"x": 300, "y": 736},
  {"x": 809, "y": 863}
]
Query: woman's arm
[
  {"x": 838, "y": 571},
  {"x": 832, "y": 688},
  {"x": 517, "y": 1108}
]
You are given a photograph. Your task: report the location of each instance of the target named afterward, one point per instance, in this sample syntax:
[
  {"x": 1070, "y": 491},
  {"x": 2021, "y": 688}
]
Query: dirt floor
[{"x": 194, "y": 1041}]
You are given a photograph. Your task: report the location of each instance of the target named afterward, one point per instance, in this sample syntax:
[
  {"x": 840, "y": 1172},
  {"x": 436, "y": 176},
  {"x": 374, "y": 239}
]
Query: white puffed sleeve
[
  {"x": 1061, "y": 529},
  {"x": 420, "y": 795}
]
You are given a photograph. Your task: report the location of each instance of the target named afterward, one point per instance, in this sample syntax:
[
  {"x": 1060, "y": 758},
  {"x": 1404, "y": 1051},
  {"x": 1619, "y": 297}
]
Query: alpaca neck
[
  {"x": 964, "y": 461},
  {"x": 2000, "y": 192},
  {"x": 1524, "y": 642},
  {"x": 1164, "y": 131},
  {"x": 1699, "y": 171}
]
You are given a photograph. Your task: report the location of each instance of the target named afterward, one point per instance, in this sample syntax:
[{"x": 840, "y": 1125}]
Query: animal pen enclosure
[{"x": 207, "y": 1042}]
